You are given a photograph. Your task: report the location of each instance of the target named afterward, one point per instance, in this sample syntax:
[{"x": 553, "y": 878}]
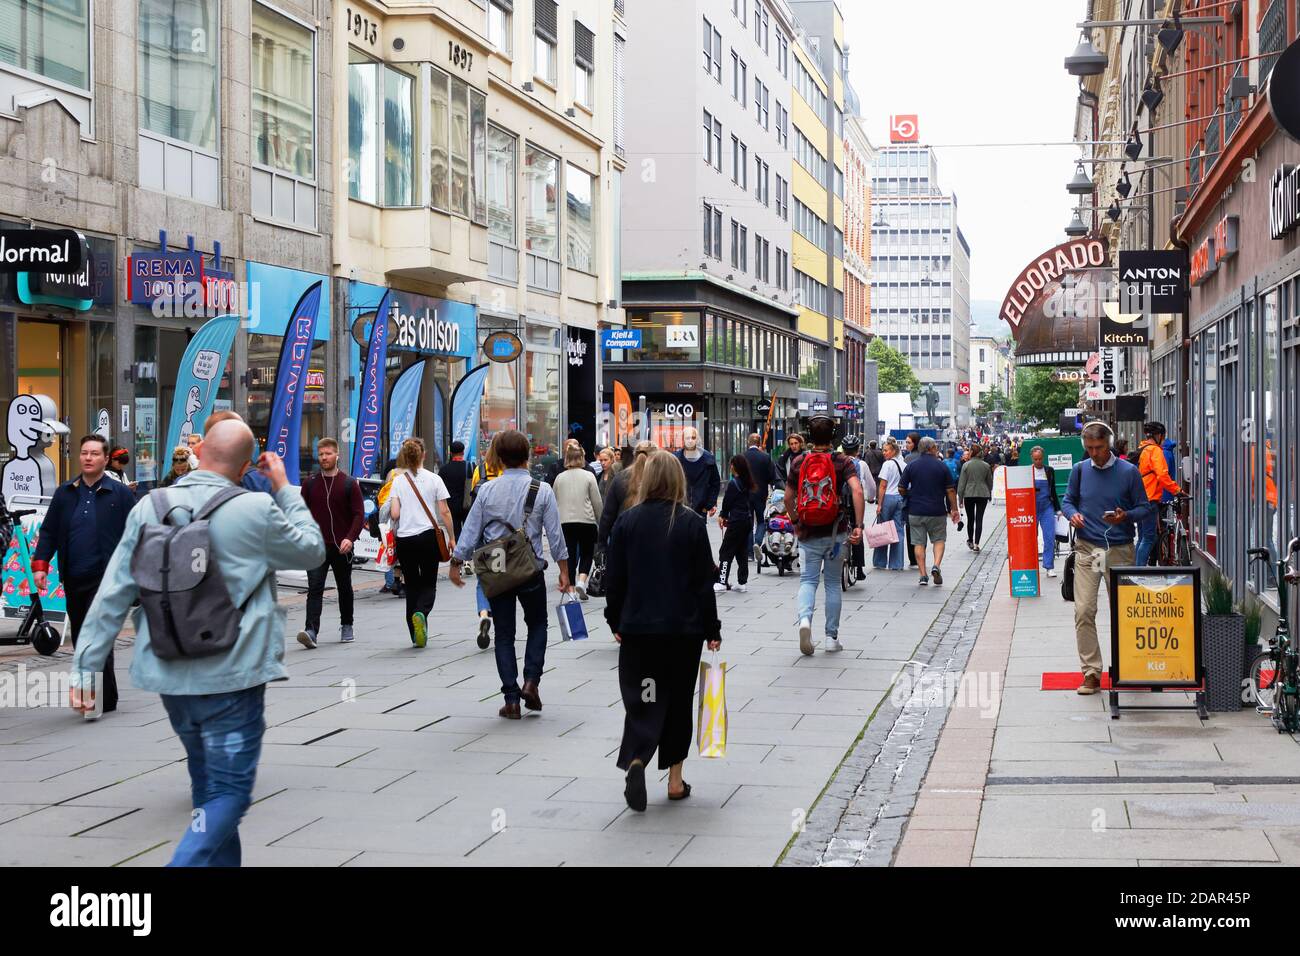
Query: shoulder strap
[
  {"x": 420, "y": 498},
  {"x": 161, "y": 507},
  {"x": 217, "y": 500},
  {"x": 533, "y": 487}
]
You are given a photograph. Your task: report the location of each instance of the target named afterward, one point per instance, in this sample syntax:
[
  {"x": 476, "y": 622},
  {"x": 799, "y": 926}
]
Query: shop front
[
  {"x": 1245, "y": 371},
  {"x": 431, "y": 344},
  {"x": 57, "y": 338}
]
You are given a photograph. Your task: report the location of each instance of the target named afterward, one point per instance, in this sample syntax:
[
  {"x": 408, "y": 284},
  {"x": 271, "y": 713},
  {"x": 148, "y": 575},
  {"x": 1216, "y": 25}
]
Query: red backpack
[{"x": 818, "y": 502}]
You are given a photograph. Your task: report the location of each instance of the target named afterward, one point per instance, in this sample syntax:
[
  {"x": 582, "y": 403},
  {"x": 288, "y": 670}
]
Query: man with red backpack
[{"x": 823, "y": 497}]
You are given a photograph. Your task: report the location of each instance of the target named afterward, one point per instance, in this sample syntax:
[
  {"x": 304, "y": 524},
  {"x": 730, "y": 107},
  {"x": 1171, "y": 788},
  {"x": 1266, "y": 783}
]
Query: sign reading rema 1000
[{"x": 1048, "y": 269}]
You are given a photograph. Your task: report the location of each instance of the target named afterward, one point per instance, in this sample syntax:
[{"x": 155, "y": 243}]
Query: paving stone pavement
[{"x": 377, "y": 753}]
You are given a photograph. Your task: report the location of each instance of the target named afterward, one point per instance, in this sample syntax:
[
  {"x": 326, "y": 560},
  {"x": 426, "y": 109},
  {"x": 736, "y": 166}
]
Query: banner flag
[
  {"x": 465, "y": 403},
  {"x": 199, "y": 378},
  {"x": 402, "y": 405},
  {"x": 285, "y": 428},
  {"x": 370, "y": 409},
  {"x": 622, "y": 415}
]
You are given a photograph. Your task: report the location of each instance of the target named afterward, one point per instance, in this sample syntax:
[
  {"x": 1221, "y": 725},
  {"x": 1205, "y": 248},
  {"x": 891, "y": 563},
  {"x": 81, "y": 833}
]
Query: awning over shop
[{"x": 1053, "y": 308}]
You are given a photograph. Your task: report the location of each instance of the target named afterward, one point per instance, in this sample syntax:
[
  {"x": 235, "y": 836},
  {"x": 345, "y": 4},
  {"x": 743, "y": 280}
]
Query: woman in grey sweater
[
  {"x": 975, "y": 488},
  {"x": 578, "y": 497}
]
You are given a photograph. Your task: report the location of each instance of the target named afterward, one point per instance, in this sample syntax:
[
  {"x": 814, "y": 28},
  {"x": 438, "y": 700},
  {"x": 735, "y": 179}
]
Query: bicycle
[
  {"x": 1274, "y": 677},
  {"x": 1174, "y": 542}
]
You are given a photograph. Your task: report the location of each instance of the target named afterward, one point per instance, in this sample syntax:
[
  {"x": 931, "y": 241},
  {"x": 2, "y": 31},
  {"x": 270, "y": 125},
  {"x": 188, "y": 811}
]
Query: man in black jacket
[
  {"x": 82, "y": 527},
  {"x": 455, "y": 475},
  {"x": 702, "y": 481},
  {"x": 763, "y": 471}
]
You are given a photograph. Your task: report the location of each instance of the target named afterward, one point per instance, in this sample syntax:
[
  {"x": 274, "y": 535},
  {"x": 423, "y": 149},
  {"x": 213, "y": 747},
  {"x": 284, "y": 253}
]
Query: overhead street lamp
[{"x": 1081, "y": 184}]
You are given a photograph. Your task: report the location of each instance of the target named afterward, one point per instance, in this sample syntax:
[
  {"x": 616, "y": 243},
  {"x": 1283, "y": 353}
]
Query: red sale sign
[{"x": 1022, "y": 531}]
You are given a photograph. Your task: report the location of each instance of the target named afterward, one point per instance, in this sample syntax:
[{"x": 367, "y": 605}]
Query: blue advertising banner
[
  {"x": 284, "y": 430},
  {"x": 370, "y": 413},
  {"x": 402, "y": 405},
  {"x": 439, "y": 426},
  {"x": 620, "y": 338},
  {"x": 199, "y": 376},
  {"x": 465, "y": 403}
]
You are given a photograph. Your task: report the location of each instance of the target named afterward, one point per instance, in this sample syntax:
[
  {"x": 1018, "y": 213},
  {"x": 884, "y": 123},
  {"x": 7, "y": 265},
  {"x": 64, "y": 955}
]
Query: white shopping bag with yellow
[{"x": 712, "y": 724}]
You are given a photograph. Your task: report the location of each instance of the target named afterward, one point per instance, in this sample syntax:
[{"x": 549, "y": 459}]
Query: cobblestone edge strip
[{"x": 859, "y": 817}]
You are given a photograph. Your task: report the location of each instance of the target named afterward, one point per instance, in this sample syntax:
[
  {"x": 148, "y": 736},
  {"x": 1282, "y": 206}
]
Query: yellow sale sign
[{"x": 1155, "y": 628}]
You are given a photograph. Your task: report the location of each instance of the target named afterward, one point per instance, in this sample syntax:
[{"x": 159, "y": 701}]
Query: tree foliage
[
  {"x": 1040, "y": 399},
  {"x": 895, "y": 373},
  {"x": 992, "y": 401}
]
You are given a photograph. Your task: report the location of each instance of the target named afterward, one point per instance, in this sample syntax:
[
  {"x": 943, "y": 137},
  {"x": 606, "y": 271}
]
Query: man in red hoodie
[{"x": 334, "y": 498}]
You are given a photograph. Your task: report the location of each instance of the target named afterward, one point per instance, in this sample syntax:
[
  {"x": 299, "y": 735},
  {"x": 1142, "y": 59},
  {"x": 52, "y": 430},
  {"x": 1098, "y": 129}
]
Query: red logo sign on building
[
  {"x": 903, "y": 128},
  {"x": 963, "y": 388}
]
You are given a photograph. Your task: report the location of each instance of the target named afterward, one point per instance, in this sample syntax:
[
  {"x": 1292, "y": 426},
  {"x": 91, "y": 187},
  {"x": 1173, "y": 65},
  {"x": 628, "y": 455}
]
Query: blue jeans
[
  {"x": 891, "y": 556},
  {"x": 1047, "y": 531},
  {"x": 822, "y": 557},
  {"x": 1146, "y": 541},
  {"x": 390, "y": 579},
  {"x": 759, "y": 531},
  {"x": 532, "y": 598},
  {"x": 480, "y": 599},
  {"x": 222, "y": 734}
]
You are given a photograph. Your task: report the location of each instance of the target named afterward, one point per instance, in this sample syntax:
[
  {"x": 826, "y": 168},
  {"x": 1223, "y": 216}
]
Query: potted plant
[
  {"x": 1253, "y": 613},
  {"x": 1224, "y": 633}
]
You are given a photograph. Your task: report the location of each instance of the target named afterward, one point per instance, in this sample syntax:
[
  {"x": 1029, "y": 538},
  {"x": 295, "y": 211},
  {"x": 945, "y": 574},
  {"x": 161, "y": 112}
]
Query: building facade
[
  {"x": 708, "y": 277},
  {"x": 859, "y": 155},
  {"x": 920, "y": 280}
]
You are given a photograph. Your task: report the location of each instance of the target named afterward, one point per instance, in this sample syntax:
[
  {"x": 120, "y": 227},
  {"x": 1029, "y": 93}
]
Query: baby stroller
[{"x": 780, "y": 545}]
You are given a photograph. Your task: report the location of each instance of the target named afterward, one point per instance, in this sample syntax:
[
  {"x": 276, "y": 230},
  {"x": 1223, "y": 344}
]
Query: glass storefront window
[
  {"x": 145, "y": 455},
  {"x": 439, "y": 127},
  {"x": 263, "y": 359},
  {"x": 284, "y": 94},
  {"x": 542, "y": 407},
  {"x": 100, "y": 362},
  {"x": 1251, "y": 439},
  {"x": 542, "y": 215},
  {"x": 501, "y": 185},
  {"x": 177, "y": 60},
  {"x": 580, "y": 232},
  {"x": 1209, "y": 406},
  {"x": 48, "y": 38},
  {"x": 665, "y": 337},
  {"x": 1270, "y": 423}
]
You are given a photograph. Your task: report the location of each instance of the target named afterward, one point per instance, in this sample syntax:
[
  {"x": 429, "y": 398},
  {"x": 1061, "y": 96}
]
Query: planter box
[{"x": 1225, "y": 641}]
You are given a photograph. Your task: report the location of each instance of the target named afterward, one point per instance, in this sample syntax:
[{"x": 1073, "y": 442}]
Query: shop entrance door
[
  {"x": 41, "y": 351},
  {"x": 158, "y": 354}
]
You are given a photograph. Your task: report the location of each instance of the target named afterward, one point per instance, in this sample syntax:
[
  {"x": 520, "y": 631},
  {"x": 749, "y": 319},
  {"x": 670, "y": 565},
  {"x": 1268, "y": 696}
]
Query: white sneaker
[
  {"x": 758, "y": 554},
  {"x": 1051, "y": 572},
  {"x": 805, "y": 637},
  {"x": 742, "y": 588},
  {"x": 581, "y": 588},
  {"x": 307, "y": 638},
  {"x": 719, "y": 587},
  {"x": 833, "y": 645}
]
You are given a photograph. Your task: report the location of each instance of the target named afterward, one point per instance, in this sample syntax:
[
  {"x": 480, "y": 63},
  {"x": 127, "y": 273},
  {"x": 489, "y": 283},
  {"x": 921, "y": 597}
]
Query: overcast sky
[{"x": 978, "y": 73}]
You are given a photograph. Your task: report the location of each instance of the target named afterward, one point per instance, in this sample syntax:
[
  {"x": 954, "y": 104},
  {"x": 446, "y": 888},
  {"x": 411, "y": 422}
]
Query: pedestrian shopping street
[{"x": 377, "y": 753}]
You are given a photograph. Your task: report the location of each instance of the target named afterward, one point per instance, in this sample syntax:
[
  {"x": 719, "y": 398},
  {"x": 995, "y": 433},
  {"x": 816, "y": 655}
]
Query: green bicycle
[{"x": 1275, "y": 672}]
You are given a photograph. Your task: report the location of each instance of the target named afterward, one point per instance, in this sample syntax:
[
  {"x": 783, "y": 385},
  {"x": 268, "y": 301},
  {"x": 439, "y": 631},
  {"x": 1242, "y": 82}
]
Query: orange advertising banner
[
  {"x": 1022, "y": 532},
  {"x": 622, "y": 414}
]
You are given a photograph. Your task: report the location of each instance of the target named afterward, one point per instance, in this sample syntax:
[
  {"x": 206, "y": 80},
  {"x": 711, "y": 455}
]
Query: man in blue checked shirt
[{"x": 498, "y": 510}]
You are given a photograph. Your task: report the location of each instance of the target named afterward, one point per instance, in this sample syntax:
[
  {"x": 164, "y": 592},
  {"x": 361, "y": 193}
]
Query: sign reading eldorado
[
  {"x": 1054, "y": 322},
  {"x": 1038, "y": 279}
]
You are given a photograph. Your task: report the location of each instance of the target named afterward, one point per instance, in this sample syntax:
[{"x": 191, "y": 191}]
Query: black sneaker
[
  {"x": 938, "y": 578},
  {"x": 924, "y": 581},
  {"x": 484, "y": 629}
]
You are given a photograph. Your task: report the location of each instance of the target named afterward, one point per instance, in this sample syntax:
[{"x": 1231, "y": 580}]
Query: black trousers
[
  {"x": 975, "y": 519},
  {"x": 656, "y": 676},
  {"x": 457, "y": 520},
  {"x": 907, "y": 530},
  {"x": 735, "y": 547},
  {"x": 80, "y": 595},
  {"x": 418, "y": 556},
  {"x": 341, "y": 565},
  {"x": 580, "y": 539}
]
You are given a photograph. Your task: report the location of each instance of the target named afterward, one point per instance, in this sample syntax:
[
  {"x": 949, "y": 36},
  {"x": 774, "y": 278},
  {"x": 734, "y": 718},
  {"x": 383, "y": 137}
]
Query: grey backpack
[{"x": 182, "y": 592}]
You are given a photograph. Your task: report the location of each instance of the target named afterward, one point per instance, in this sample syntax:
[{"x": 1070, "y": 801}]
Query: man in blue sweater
[{"x": 1104, "y": 502}]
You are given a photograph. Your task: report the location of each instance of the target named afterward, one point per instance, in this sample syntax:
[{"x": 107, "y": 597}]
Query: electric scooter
[{"x": 35, "y": 630}]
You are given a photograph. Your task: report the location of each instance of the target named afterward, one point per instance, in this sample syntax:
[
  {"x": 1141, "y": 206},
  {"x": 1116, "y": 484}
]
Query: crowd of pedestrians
[{"x": 638, "y": 514}]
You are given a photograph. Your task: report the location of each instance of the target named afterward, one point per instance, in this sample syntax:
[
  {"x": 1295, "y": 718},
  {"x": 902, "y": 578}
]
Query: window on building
[
  {"x": 283, "y": 118},
  {"x": 546, "y": 38},
  {"x": 782, "y": 125},
  {"x": 500, "y": 32},
  {"x": 459, "y": 139},
  {"x": 783, "y": 54},
  {"x": 51, "y": 38},
  {"x": 177, "y": 78},
  {"x": 541, "y": 211},
  {"x": 761, "y": 181},
  {"x": 712, "y": 232},
  {"x": 584, "y": 65},
  {"x": 381, "y": 121},
  {"x": 758, "y": 22},
  {"x": 579, "y": 190},
  {"x": 501, "y": 185},
  {"x": 744, "y": 249},
  {"x": 735, "y": 244},
  {"x": 762, "y": 104},
  {"x": 712, "y": 51}
]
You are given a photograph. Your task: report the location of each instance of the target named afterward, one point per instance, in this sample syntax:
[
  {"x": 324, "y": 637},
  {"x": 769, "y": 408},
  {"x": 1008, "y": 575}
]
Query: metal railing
[
  {"x": 1231, "y": 107},
  {"x": 1212, "y": 143},
  {"x": 1272, "y": 37},
  {"x": 1194, "y": 164}
]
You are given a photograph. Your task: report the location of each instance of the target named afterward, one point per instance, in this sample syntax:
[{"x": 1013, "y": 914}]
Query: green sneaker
[{"x": 421, "y": 629}]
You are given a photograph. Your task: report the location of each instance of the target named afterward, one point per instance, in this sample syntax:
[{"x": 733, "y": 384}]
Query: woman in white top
[
  {"x": 415, "y": 495},
  {"x": 889, "y": 507},
  {"x": 578, "y": 498}
]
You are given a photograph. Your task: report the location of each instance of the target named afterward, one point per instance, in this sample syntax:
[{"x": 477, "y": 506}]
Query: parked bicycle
[
  {"x": 1174, "y": 545},
  {"x": 1274, "y": 681}
]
